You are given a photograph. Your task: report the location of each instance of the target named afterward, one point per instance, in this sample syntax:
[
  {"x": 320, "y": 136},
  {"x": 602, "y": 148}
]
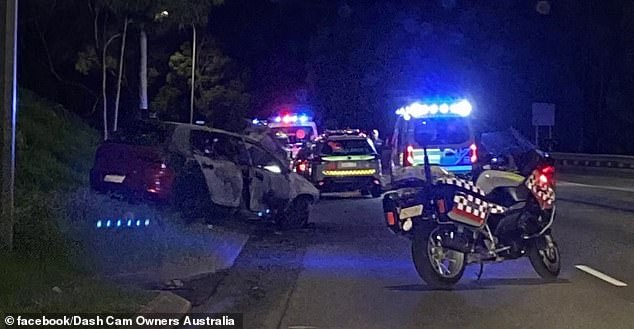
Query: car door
[
  {"x": 218, "y": 156},
  {"x": 268, "y": 179}
]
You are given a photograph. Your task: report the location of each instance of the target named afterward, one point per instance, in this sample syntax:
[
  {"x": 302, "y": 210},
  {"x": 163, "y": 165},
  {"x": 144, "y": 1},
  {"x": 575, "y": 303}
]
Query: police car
[
  {"x": 452, "y": 146},
  {"x": 342, "y": 160},
  {"x": 294, "y": 129}
]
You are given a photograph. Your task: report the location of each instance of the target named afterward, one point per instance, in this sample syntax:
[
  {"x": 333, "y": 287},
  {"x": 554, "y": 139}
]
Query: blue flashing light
[
  {"x": 129, "y": 222},
  {"x": 138, "y": 222},
  {"x": 255, "y": 121},
  {"x": 462, "y": 108},
  {"x": 291, "y": 118},
  {"x": 417, "y": 110},
  {"x": 98, "y": 224},
  {"x": 108, "y": 223},
  {"x": 147, "y": 222},
  {"x": 119, "y": 223}
]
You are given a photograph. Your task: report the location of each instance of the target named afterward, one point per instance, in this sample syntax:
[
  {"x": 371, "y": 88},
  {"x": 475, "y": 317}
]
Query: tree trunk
[
  {"x": 116, "y": 104},
  {"x": 191, "y": 102},
  {"x": 143, "y": 104},
  {"x": 104, "y": 70}
]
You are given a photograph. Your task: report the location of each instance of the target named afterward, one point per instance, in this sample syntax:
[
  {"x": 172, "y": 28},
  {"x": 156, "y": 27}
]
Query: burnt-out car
[{"x": 204, "y": 172}]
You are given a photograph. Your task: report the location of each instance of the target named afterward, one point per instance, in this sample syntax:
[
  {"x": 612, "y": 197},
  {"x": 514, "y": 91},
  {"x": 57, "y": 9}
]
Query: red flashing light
[
  {"x": 548, "y": 170},
  {"x": 547, "y": 175},
  {"x": 473, "y": 153}
]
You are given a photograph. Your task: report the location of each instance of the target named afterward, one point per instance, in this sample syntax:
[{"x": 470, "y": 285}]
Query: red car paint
[{"x": 146, "y": 172}]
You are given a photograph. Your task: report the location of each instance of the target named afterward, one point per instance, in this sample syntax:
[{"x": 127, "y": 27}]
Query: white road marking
[
  {"x": 601, "y": 276},
  {"x": 601, "y": 187}
]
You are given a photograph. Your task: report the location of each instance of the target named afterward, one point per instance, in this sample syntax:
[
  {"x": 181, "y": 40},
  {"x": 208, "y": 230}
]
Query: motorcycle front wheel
[
  {"x": 544, "y": 255},
  {"x": 439, "y": 267}
]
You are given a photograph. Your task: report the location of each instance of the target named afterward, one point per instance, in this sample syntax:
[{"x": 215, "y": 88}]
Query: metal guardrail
[{"x": 594, "y": 160}]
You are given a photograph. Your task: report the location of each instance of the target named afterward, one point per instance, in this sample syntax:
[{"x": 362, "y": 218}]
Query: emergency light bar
[
  {"x": 292, "y": 118},
  {"x": 418, "y": 110}
]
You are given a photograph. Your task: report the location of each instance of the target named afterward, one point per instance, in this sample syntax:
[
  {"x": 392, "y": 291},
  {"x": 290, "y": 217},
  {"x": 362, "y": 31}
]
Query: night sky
[{"x": 356, "y": 61}]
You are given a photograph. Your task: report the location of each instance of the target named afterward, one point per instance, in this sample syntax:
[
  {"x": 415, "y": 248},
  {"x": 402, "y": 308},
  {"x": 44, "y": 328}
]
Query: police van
[
  {"x": 296, "y": 129},
  {"x": 452, "y": 146}
]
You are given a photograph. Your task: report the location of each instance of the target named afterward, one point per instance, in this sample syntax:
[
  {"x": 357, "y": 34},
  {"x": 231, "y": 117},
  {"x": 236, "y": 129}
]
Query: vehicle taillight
[
  {"x": 408, "y": 156},
  {"x": 302, "y": 167},
  {"x": 158, "y": 172},
  {"x": 473, "y": 153},
  {"x": 547, "y": 175},
  {"x": 390, "y": 218}
]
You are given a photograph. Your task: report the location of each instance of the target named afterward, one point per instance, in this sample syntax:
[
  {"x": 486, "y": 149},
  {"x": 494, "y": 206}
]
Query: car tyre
[
  {"x": 296, "y": 214},
  {"x": 376, "y": 191}
]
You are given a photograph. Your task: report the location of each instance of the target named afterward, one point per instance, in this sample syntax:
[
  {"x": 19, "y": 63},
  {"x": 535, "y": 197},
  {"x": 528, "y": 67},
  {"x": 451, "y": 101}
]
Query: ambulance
[{"x": 452, "y": 147}]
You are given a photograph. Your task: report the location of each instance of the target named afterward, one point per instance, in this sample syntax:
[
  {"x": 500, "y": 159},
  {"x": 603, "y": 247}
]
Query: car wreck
[{"x": 204, "y": 172}]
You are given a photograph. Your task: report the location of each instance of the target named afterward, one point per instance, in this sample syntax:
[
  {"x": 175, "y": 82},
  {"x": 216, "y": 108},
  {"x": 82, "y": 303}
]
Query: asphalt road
[{"x": 349, "y": 271}]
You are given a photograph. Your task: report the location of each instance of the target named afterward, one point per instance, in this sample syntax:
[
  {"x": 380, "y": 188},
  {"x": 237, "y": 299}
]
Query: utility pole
[
  {"x": 8, "y": 103},
  {"x": 191, "y": 97},
  {"x": 143, "y": 103}
]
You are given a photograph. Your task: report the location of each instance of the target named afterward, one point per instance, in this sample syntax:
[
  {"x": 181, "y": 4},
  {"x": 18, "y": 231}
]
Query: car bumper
[
  {"x": 332, "y": 184},
  {"x": 133, "y": 186}
]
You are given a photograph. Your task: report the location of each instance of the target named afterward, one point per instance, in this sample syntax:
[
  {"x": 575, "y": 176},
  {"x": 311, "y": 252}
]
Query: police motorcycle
[{"x": 506, "y": 214}]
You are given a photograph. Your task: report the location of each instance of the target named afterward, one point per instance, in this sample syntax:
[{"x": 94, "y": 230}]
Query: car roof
[{"x": 209, "y": 129}]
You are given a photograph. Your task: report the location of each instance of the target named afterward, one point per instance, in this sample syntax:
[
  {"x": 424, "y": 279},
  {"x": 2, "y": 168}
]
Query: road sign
[{"x": 543, "y": 114}]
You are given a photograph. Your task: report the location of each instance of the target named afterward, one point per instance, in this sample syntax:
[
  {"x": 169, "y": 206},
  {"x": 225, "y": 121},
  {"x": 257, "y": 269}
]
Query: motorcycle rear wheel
[
  {"x": 439, "y": 267},
  {"x": 545, "y": 257}
]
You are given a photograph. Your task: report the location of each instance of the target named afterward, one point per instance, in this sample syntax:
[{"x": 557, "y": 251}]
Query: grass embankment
[{"x": 55, "y": 153}]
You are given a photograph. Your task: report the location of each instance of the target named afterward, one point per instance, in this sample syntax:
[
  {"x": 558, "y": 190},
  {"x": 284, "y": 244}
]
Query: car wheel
[
  {"x": 297, "y": 213},
  {"x": 376, "y": 191}
]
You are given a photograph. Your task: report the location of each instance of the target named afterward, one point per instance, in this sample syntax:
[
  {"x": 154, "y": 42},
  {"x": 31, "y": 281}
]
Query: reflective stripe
[{"x": 358, "y": 172}]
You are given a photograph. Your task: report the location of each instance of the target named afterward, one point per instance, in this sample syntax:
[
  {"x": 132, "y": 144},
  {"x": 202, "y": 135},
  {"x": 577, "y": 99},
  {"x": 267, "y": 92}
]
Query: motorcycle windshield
[{"x": 507, "y": 142}]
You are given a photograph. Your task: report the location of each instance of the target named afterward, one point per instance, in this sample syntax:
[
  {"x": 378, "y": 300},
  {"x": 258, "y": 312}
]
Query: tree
[
  {"x": 221, "y": 86},
  {"x": 194, "y": 13}
]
